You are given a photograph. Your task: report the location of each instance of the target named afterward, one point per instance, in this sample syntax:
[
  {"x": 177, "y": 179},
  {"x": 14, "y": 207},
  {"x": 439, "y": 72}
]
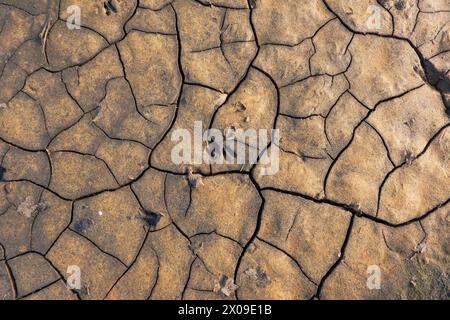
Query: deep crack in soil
[{"x": 360, "y": 94}]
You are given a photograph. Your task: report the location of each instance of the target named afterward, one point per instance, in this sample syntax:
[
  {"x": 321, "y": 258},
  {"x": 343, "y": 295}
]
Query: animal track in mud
[{"x": 86, "y": 176}]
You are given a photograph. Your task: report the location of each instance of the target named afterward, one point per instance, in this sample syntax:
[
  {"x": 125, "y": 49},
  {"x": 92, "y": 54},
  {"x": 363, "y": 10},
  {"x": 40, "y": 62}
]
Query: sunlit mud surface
[{"x": 359, "y": 91}]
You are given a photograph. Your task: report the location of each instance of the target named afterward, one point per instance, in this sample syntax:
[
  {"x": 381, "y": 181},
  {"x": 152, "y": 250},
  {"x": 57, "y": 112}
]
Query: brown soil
[{"x": 86, "y": 177}]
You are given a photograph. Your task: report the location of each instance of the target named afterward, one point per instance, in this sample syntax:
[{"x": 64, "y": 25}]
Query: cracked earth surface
[{"x": 86, "y": 176}]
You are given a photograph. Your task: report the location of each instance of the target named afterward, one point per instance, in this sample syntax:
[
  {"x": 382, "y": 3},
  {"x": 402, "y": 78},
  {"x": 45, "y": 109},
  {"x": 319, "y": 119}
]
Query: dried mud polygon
[{"x": 86, "y": 177}]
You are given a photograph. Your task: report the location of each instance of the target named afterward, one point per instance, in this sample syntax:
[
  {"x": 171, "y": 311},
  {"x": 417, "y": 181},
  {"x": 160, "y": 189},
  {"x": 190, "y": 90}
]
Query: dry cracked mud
[{"x": 86, "y": 177}]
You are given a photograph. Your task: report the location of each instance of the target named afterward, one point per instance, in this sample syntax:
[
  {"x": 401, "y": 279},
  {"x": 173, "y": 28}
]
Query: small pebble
[{"x": 241, "y": 107}]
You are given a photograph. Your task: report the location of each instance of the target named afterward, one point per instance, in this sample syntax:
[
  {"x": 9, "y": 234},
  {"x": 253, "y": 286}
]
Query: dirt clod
[
  {"x": 225, "y": 285},
  {"x": 195, "y": 180},
  {"x": 258, "y": 275},
  {"x": 29, "y": 208},
  {"x": 356, "y": 91}
]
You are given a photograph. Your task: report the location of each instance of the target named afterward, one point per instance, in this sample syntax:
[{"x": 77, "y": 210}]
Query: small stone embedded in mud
[
  {"x": 358, "y": 93},
  {"x": 410, "y": 122},
  {"x": 252, "y": 248},
  {"x": 241, "y": 107},
  {"x": 194, "y": 180},
  {"x": 225, "y": 285},
  {"x": 251, "y": 273},
  {"x": 320, "y": 195},
  {"x": 151, "y": 218},
  {"x": 82, "y": 225},
  {"x": 258, "y": 275},
  {"x": 409, "y": 158},
  {"x": 29, "y": 208},
  {"x": 357, "y": 208},
  {"x": 421, "y": 247}
]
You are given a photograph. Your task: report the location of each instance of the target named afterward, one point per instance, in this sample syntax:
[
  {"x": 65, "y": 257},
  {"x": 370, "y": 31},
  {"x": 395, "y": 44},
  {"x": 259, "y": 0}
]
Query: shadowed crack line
[
  {"x": 338, "y": 261},
  {"x": 427, "y": 67},
  {"x": 297, "y": 263},
  {"x": 352, "y": 210},
  {"x": 356, "y": 128}
]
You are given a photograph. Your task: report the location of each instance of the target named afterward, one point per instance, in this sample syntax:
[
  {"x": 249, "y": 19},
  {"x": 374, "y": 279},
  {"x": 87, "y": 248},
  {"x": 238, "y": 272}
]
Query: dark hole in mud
[
  {"x": 83, "y": 291},
  {"x": 440, "y": 81},
  {"x": 223, "y": 281},
  {"x": 151, "y": 218},
  {"x": 2, "y": 173},
  {"x": 37, "y": 39},
  {"x": 82, "y": 225},
  {"x": 400, "y": 5},
  {"x": 109, "y": 7},
  {"x": 252, "y": 4},
  {"x": 263, "y": 278}
]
